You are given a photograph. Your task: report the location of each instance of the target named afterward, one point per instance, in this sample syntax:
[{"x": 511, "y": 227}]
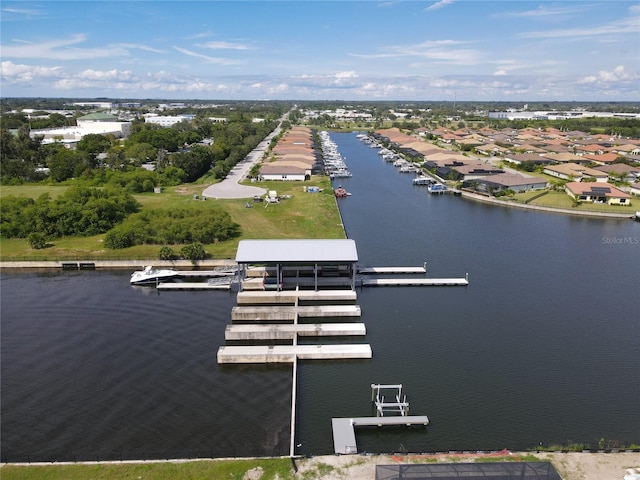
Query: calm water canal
[{"x": 541, "y": 347}]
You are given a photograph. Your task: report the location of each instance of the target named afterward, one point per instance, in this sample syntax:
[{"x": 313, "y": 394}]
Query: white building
[
  {"x": 95, "y": 123},
  {"x": 166, "y": 120}
]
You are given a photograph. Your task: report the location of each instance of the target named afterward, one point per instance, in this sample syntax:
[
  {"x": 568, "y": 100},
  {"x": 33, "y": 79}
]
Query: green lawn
[
  {"x": 562, "y": 200},
  {"x": 304, "y": 215},
  {"x": 278, "y": 468},
  {"x": 32, "y": 191}
]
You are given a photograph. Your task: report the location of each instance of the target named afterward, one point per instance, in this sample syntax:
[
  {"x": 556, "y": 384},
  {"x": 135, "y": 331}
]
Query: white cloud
[
  {"x": 618, "y": 74},
  {"x": 207, "y": 58},
  {"x": 224, "y": 46},
  {"x": 440, "y": 51},
  {"x": 12, "y": 72},
  {"x": 68, "y": 49},
  {"x": 625, "y": 25},
  {"x": 110, "y": 75},
  {"x": 541, "y": 11},
  {"x": 440, "y": 4},
  {"x": 62, "y": 49}
]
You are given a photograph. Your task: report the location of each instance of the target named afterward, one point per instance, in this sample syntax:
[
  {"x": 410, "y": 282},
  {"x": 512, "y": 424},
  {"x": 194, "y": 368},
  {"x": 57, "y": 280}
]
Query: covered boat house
[{"x": 297, "y": 264}]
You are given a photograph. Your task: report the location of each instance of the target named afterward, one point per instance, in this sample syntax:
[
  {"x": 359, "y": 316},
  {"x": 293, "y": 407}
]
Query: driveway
[{"x": 229, "y": 187}]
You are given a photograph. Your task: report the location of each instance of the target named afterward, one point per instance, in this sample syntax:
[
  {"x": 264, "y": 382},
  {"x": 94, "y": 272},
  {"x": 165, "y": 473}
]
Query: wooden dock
[
  {"x": 390, "y": 270},
  {"x": 294, "y": 297},
  {"x": 289, "y": 332},
  {"x": 287, "y": 313},
  {"x": 344, "y": 434},
  {"x": 193, "y": 286},
  {"x": 422, "y": 282},
  {"x": 289, "y": 353}
]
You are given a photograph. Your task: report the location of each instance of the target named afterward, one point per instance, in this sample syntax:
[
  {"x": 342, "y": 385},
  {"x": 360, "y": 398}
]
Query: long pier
[
  {"x": 289, "y": 332},
  {"x": 288, "y": 313},
  {"x": 425, "y": 282},
  {"x": 289, "y": 353}
]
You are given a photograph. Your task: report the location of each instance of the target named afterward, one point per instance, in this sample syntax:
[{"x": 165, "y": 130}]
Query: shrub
[
  {"x": 166, "y": 253},
  {"x": 37, "y": 241},
  {"x": 193, "y": 252}
]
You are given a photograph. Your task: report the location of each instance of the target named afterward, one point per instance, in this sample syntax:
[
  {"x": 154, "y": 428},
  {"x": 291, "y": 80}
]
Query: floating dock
[
  {"x": 294, "y": 297},
  {"x": 289, "y": 353},
  {"x": 390, "y": 270},
  {"x": 289, "y": 332},
  {"x": 424, "y": 282},
  {"x": 193, "y": 286},
  {"x": 286, "y": 313}
]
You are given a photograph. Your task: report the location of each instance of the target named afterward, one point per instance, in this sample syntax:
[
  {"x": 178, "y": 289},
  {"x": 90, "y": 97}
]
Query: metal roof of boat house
[{"x": 297, "y": 251}]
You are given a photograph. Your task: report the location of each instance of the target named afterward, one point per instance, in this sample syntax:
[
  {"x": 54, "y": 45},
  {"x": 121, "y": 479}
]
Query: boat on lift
[
  {"x": 152, "y": 275},
  {"x": 340, "y": 192}
]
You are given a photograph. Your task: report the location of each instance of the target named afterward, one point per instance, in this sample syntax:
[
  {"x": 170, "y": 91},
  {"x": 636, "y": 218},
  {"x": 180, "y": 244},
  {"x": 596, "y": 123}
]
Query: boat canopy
[{"x": 297, "y": 251}]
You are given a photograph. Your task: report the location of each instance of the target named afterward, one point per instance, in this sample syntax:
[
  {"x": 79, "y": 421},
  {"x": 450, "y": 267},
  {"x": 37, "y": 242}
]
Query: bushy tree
[{"x": 193, "y": 252}]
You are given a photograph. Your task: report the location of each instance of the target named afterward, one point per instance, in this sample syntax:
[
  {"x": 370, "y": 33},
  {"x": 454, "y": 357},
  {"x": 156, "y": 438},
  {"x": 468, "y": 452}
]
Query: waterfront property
[{"x": 597, "y": 192}]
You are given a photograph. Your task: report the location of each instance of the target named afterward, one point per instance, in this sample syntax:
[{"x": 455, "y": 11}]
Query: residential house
[
  {"x": 602, "y": 159},
  {"x": 506, "y": 181},
  {"x": 520, "y": 158},
  {"x": 597, "y": 192},
  {"x": 575, "y": 172},
  {"x": 621, "y": 171},
  {"x": 283, "y": 170}
]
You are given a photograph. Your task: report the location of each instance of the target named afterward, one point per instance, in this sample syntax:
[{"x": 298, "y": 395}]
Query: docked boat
[
  {"x": 152, "y": 275},
  {"x": 340, "y": 192},
  {"x": 437, "y": 188},
  {"x": 423, "y": 180}
]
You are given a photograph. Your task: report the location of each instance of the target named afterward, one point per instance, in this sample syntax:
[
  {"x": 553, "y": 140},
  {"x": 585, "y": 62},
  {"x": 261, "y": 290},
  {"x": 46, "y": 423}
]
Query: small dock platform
[
  {"x": 206, "y": 273},
  {"x": 424, "y": 282},
  {"x": 193, "y": 286},
  {"x": 344, "y": 434},
  {"x": 285, "y": 313},
  {"x": 289, "y": 332},
  {"x": 292, "y": 297},
  {"x": 289, "y": 353},
  {"x": 390, "y": 270}
]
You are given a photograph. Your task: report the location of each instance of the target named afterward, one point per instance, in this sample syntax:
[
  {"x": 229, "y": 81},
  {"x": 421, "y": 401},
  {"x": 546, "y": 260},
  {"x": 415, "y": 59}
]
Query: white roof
[{"x": 297, "y": 251}]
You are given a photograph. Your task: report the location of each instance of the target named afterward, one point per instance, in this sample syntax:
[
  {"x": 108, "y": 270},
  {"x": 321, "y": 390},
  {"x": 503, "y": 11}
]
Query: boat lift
[{"x": 400, "y": 405}]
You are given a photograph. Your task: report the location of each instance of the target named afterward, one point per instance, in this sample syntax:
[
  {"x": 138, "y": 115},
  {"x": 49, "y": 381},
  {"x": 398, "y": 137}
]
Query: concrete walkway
[{"x": 230, "y": 187}]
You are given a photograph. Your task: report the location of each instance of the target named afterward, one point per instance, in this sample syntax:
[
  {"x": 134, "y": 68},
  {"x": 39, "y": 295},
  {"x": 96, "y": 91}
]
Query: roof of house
[
  {"x": 575, "y": 169},
  {"x": 297, "y": 251},
  {"x": 596, "y": 189},
  {"x": 512, "y": 180}
]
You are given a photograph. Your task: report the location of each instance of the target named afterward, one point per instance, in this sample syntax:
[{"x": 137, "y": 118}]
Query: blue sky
[{"x": 322, "y": 50}]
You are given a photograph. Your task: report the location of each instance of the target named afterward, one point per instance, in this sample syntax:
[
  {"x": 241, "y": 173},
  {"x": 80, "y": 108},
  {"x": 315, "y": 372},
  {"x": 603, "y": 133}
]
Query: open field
[
  {"x": 304, "y": 215},
  {"x": 571, "y": 466}
]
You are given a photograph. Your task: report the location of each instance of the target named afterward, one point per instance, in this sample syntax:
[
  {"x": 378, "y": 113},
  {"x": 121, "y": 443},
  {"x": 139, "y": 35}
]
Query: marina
[{"x": 138, "y": 377}]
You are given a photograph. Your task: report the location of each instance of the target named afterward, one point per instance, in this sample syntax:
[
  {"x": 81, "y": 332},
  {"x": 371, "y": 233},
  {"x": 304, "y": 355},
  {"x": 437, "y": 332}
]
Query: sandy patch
[{"x": 570, "y": 466}]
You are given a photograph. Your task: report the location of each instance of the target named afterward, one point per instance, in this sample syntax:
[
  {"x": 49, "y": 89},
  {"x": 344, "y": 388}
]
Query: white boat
[
  {"x": 422, "y": 180},
  {"x": 152, "y": 275},
  {"x": 437, "y": 188}
]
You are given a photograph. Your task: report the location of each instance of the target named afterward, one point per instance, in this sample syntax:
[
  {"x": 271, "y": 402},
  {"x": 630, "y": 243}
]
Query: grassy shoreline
[{"x": 303, "y": 215}]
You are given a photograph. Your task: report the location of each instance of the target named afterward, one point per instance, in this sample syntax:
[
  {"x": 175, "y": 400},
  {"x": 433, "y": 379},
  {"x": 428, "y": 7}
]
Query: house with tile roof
[
  {"x": 575, "y": 172},
  {"x": 603, "y": 159},
  {"x": 506, "y": 181},
  {"x": 597, "y": 192}
]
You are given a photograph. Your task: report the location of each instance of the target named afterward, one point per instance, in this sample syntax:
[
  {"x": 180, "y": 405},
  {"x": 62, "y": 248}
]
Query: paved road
[{"x": 229, "y": 187}]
